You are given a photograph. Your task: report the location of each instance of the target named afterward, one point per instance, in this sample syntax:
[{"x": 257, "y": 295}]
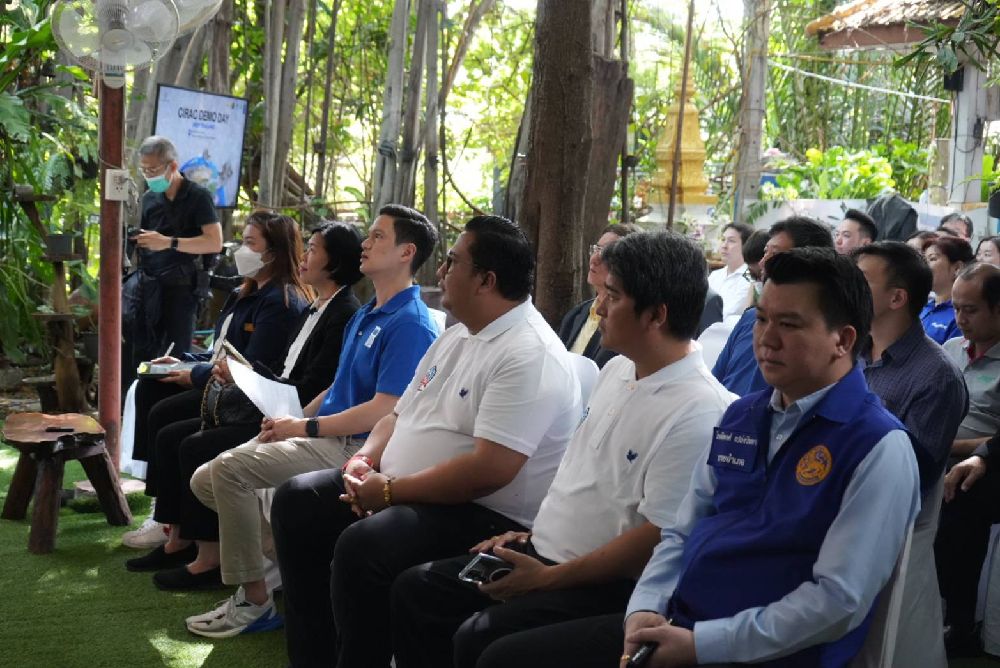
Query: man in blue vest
[{"x": 793, "y": 526}]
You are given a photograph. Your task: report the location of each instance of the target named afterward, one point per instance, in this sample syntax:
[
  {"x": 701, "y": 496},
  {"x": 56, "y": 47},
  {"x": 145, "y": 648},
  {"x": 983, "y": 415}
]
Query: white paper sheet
[{"x": 273, "y": 399}]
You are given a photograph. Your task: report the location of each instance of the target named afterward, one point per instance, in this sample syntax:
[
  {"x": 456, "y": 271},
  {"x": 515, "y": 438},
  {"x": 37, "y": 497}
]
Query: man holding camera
[{"x": 621, "y": 480}]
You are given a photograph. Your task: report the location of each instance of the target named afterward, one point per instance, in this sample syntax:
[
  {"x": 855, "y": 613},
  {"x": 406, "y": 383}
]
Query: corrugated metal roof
[{"x": 866, "y": 14}]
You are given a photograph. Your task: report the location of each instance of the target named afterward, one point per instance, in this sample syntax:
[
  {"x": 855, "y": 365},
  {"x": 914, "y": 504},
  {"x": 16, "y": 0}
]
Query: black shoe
[
  {"x": 963, "y": 641},
  {"x": 159, "y": 559},
  {"x": 181, "y": 579}
]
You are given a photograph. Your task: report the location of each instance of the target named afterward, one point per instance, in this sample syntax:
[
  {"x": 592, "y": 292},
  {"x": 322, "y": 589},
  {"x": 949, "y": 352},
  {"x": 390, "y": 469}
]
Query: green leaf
[{"x": 14, "y": 118}]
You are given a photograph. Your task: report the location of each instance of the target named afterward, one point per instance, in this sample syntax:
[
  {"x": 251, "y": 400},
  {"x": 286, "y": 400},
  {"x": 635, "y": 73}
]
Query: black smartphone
[
  {"x": 641, "y": 657},
  {"x": 484, "y": 568}
]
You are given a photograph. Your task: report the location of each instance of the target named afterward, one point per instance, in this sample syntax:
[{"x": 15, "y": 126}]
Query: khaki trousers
[{"x": 228, "y": 485}]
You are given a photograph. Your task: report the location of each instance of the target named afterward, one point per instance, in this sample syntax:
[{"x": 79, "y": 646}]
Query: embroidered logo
[
  {"x": 371, "y": 337},
  {"x": 631, "y": 455},
  {"x": 463, "y": 392},
  {"x": 428, "y": 377},
  {"x": 814, "y": 466}
]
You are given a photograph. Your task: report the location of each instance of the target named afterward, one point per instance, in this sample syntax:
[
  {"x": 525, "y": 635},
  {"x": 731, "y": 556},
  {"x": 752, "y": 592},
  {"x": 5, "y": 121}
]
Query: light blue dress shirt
[{"x": 854, "y": 563}]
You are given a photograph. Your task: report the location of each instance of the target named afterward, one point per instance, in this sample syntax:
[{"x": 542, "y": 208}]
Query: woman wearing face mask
[
  {"x": 178, "y": 226},
  {"x": 331, "y": 265},
  {"x": 255, "y": 320}
]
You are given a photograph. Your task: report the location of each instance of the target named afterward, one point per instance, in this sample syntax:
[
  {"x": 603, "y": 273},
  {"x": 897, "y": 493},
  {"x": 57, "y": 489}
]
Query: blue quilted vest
[{"x": 770, "y": 520}]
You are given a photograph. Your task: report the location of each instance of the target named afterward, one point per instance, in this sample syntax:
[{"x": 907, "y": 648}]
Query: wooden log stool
[{"x": 46, "y": 442}]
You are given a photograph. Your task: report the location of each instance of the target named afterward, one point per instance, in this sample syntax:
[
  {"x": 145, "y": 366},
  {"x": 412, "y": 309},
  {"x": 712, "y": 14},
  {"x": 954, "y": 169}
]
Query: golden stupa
[{"x": 692, "y": 185}]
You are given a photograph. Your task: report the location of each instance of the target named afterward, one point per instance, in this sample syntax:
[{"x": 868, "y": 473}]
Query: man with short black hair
[
  {"x": 468, "y": 452},
  {"x": 976, "y": 297},
  {"x": 921, "y": 386},
  {"x": 383, "y": 342},
  {"x": 957, "y": 224},
  {"x": 776, "y": 554},
  {"x": 736, "y": 367},
  {"x": 730, "y": 280},
  {"x": 854, "y": 231},
  {"x": 621, "y": 480}
]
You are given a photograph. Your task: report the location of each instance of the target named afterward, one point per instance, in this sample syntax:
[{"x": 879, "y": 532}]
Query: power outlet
[{"x": 116, "y": 183}]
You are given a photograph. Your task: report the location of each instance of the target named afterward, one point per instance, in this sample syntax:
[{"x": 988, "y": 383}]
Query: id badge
[{"x": 731, "y": 449}]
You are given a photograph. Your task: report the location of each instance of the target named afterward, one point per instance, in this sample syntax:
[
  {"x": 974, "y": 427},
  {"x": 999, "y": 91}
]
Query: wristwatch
[
  {"x": 173, "y": 242},
  {"x": 312, "y": 427}
]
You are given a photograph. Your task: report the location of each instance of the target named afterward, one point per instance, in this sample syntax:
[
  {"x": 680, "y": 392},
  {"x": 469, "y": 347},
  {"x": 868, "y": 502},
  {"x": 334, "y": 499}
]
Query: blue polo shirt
[
  {"x": 939, "y": 321},
  {"x": 736, "y": 368},
  {"x": 381, "y": 349}
]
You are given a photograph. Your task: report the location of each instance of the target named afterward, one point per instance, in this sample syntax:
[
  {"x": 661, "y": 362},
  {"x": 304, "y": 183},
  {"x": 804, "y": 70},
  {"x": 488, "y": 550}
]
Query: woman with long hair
[{"x": 255, "y": 320}]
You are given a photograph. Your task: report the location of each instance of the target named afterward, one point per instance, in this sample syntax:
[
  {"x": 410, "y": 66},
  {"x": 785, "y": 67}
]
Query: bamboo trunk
[{"x": 385, "y": 165}]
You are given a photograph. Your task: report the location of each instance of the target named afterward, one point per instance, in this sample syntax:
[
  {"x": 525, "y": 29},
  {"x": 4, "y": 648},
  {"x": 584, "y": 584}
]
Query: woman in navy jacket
[{"x": 255, "y": 320}]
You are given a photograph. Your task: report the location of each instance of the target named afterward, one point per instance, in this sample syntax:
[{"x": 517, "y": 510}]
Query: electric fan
[
  {"x": 115, "y": 36},
  {"x": 193, "y": 13}
]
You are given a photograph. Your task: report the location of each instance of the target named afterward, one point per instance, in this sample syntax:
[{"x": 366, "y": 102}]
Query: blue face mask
[{"x": 158, "y": 184}]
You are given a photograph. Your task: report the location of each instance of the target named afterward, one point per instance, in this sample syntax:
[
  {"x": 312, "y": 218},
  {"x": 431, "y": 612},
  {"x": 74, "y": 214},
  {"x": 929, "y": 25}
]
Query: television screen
[{"x": 207, "y": 129}]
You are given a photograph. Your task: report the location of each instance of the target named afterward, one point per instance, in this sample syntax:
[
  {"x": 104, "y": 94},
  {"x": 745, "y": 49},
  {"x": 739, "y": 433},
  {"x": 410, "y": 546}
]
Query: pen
[{"x": 169, "y": 349}]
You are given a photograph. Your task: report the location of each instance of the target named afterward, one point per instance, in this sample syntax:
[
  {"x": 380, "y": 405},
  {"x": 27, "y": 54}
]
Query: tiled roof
[{"x": 867, "y": 14}]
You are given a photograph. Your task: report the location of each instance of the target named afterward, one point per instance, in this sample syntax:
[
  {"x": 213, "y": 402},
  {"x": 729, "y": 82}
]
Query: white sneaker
[
  {"x": 149, "y": 535},
  {"x": 234, "y": 616}
]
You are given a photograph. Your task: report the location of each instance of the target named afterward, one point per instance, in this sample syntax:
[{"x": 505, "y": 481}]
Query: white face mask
[{"x": 248, "y": 262}]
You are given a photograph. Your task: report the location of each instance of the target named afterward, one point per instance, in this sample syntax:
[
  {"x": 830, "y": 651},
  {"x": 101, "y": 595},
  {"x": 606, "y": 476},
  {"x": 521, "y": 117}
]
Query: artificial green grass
[{"x": 79, "y": 607}]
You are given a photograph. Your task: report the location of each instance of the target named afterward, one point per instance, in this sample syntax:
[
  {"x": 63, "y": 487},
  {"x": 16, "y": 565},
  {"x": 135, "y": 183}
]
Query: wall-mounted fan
[
  {"x": 115, "y": 36},
  {"x": 193, "y": 13}
]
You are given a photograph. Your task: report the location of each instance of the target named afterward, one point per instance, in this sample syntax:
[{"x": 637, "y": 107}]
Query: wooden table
[{"x": 46, "y": 443}]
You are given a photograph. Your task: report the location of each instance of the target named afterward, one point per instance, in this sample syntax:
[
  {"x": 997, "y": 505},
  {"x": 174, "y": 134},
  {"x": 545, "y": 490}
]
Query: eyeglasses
[
  {"x": 596, "y": 248},
  {"x": 154, "y": 171},
  {"x": 451, "y": 259}
]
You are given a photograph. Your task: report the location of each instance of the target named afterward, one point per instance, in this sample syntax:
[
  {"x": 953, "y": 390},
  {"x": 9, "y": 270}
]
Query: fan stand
[{"x": 111, "y": 105}]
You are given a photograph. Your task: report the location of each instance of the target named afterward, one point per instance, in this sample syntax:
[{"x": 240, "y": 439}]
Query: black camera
[{"x": 484, "y": 568}]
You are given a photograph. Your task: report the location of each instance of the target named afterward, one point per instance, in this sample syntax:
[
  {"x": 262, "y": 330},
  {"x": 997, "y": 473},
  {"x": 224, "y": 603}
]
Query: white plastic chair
[
  {"x": 880, "y": 645},
  {"x": 586, "y": 375}
]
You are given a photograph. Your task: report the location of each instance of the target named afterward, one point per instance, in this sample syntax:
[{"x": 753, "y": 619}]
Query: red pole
[{"x": 112, "y": 155}]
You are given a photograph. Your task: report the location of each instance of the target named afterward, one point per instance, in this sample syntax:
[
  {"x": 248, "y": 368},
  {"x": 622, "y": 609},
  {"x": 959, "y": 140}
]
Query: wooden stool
[{"x": 46, "y": 442}]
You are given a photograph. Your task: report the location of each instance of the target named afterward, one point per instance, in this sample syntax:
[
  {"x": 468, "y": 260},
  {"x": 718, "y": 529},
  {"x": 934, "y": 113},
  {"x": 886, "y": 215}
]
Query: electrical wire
[{"x": 852, "y": 84}]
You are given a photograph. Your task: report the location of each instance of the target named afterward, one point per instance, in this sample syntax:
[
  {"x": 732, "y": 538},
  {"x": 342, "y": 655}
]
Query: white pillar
[{"x": 969, "y": 113}]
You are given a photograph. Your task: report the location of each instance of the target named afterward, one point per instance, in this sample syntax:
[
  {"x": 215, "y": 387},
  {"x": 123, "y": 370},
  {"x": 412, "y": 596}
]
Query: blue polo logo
[
  {"x": 428, "y": 377},
  {"x": 631, "y": 455},
  {"x": 372, "y": 336}
]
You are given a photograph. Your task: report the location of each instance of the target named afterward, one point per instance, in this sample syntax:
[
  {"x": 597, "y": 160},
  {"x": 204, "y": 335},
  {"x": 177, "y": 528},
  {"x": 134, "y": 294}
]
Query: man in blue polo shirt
[
  {"x": 736, "y": 367},
  {"x": 383, "y": 343},
  {"x": 776, "y": 555}
]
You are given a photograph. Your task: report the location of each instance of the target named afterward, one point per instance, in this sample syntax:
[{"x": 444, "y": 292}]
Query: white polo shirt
[
  {"x": 734, "y": 289},
  {"x": 512, "y": 383},
  {"x": 632, "y": 457}
]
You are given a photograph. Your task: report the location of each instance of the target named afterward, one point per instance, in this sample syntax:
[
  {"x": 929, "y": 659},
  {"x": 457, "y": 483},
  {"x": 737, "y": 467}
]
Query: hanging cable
[{"x": 852, "y": 84}]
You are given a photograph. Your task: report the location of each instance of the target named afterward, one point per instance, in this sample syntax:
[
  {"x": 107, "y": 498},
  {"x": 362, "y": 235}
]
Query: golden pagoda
[{"x": 692, "y": 184}]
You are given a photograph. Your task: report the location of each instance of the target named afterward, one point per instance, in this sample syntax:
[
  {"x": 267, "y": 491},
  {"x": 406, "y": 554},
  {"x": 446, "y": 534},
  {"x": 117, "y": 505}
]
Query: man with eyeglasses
[
  {"x": 468, "y": 452},
  {"x": 178, "y": 225},
  {"x": 578, "y": 329}
]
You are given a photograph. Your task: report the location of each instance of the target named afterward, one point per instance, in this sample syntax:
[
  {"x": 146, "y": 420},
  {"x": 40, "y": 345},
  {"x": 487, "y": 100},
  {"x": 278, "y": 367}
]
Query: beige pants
[{"x": 228, "y": 485}]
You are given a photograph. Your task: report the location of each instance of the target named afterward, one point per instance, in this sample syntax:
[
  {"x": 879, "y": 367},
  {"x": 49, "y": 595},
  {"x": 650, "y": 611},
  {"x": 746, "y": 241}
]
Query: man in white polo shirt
[
  {"x": 731, "y": 280},
  {"x": 622, "y": 478},
  {"x": 469, "y": 451}
]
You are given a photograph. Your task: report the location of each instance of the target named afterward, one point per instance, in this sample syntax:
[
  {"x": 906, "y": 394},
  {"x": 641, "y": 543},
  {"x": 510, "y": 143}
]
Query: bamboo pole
[{"x": 675, "y": 168}]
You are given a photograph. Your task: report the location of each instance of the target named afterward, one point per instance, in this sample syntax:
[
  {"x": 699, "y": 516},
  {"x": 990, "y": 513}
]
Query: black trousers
[
  {"x": 181, "y": 448},
  {"x": 439, "y": 620},
  {"x": 590, "y": 642},
  {"x": 337, "y": 570},
  {"x": 159, "y": 405},
  {"x": 961, "y": 545},
  {"x": 179, "y": 306}
]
